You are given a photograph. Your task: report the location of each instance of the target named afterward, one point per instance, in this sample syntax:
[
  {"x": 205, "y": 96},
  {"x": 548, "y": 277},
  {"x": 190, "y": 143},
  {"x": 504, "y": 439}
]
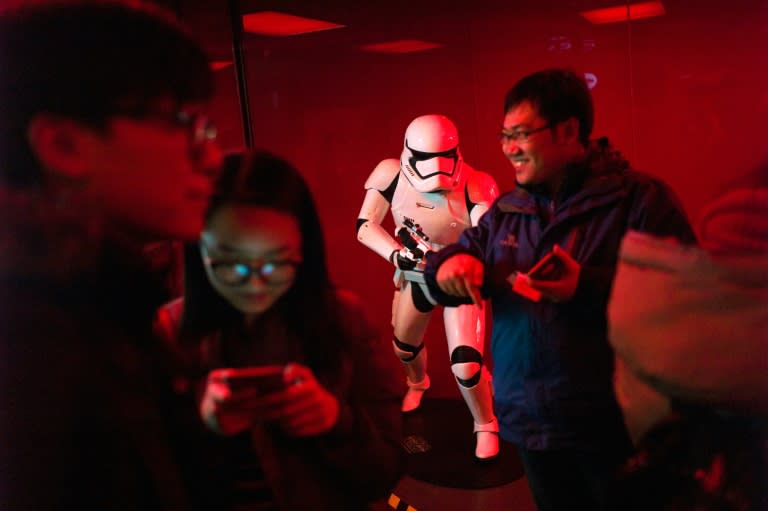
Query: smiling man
[
  {"x": 103, "y": 149},
  {"x": 574, "y": 198}
]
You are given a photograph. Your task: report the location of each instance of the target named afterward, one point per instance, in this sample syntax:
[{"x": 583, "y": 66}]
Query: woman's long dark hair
[{"x": 310, "y": 307}]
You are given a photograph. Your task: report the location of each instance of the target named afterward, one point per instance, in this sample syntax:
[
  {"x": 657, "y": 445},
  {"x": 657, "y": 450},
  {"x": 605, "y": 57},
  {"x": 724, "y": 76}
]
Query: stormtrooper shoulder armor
[
  {"x": 481, "y": 188},
  {"x": 383, "y": 175}
]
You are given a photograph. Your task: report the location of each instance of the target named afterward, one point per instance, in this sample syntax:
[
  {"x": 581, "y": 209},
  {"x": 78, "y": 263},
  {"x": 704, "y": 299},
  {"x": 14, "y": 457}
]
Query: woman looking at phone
[{"x": 257, "y": 293}]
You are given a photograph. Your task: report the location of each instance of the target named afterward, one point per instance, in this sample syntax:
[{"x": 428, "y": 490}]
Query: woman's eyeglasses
[{"x": 239, "y": 273}]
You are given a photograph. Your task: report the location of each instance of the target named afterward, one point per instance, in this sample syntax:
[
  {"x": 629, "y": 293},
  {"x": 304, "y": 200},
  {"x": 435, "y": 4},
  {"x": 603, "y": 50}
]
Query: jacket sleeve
[
  {"x": 473, "y": 241},
  {"x": 364, "y": 447},
  {"x": 654, "y": 209},
  {"x": 594, "y": 285}
]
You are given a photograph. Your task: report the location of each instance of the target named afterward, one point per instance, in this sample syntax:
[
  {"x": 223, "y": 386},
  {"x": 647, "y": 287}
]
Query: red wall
[{"x": 683, "y": 95}]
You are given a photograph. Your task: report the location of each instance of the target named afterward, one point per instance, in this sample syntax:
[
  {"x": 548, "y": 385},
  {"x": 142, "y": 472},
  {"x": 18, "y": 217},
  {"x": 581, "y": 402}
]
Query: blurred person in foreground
[
  {"x": 690, "y": 330},
  {"x": 104, "y": 148}
]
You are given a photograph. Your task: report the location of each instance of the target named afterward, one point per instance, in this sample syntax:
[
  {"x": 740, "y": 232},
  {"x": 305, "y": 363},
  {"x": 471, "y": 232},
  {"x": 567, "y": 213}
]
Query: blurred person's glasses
[
  {"x": 239, "y": 273},
  {"x": 519, "y": 136},
  {"x": 200, "y": 127}
]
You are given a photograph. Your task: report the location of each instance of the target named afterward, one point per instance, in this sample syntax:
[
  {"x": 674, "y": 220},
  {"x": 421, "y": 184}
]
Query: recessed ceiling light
[
  {"x": 401, "y": 46},
  {"x": 280, "y": 24},
  {"x": 220, "y": 64},
  {"x": 637, "y": 11}
]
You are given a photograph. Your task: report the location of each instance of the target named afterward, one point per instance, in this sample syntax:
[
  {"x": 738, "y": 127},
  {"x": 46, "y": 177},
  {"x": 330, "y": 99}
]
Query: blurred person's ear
[
  {"x": 568, "y": 130},
  {"x": 61, "y": 145}
]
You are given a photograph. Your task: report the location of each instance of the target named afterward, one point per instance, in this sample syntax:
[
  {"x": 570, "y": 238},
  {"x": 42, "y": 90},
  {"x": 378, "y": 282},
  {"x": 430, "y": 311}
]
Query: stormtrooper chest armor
[{"x": 442, "y": 215}]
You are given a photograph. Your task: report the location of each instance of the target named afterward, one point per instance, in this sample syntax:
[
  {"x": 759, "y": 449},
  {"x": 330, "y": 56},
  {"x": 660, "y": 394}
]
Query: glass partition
[{"x": 679, "y": 87}]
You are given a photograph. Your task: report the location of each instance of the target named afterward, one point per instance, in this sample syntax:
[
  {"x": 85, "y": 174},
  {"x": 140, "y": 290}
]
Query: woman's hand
[
  {"x": 224, "y": 411},
  {"x": 305, "y": 408}
]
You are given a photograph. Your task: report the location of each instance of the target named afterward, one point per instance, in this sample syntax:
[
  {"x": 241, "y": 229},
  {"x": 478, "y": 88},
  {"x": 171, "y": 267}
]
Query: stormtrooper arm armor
[
  {"x": 482, "y": 190},
  {"x": 379, "y": 189}
]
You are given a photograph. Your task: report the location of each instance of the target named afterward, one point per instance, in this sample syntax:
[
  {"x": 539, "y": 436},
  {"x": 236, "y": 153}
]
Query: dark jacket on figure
[
  {"x": 81, "y": 418},
  {"x": 358, "y": 461},
  {"x": 552, "y": 362}
]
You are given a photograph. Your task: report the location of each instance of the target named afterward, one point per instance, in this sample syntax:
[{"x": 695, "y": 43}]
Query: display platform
[{"x": 439, "y": 443}]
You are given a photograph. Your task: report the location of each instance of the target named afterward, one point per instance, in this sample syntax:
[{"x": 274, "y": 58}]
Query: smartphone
[
  {"x": 549, "y": 267},
  {"x": 264, "y": 379},
  {"x": 520, "y": 287}
]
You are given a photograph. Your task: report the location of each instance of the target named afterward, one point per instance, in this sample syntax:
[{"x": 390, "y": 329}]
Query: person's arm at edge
[{"x": 472, "y": 242}]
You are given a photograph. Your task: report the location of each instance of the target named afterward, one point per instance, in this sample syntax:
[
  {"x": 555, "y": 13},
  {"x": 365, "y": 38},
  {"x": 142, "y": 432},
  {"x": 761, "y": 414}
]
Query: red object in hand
[
  {"x": 263, "y": 379},
  {"x": 549, "y": 267},
  {"x": 520, "y": 286}
]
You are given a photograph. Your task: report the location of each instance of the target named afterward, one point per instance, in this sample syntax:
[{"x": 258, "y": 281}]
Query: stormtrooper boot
[
  {"x": 487, "y": 440},
  {"x": 479, "y": 400},
  {"x": 415, "y": 376},
  {"x": 412, "y": 398}
]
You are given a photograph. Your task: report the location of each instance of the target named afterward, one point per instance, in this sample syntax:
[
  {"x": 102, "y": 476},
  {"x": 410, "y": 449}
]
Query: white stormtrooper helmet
[{"x": 431, "y": 159}]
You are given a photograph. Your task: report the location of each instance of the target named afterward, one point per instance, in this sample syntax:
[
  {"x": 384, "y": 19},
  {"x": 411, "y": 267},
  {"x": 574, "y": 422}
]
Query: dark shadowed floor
[{"x": 442, "y": 473}]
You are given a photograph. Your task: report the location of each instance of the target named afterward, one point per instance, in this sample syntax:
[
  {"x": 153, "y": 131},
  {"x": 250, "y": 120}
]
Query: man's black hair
[
  {"x": 557, "y": 95},
  {"x": 89, "y": 60}
]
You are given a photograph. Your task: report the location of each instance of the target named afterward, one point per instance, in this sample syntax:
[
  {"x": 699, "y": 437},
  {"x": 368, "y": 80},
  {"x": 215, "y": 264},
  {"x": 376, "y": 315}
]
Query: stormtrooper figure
[{"x": 433, "y": 196}]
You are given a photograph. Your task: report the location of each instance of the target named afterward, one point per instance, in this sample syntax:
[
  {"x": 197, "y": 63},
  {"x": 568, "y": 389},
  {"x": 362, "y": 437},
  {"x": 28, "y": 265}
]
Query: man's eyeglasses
[
  {"x": 239, "y": 273},
  {"x": 201, "y": 128},
  {"x": 519, "y": 136}
]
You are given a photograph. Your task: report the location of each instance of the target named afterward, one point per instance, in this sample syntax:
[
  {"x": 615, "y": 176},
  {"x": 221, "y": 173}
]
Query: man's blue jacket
[{"x": 552, "y": 364}]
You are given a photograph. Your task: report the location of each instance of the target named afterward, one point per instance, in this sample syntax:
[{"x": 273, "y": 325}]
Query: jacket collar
[{"x": 597, "y": 176}]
